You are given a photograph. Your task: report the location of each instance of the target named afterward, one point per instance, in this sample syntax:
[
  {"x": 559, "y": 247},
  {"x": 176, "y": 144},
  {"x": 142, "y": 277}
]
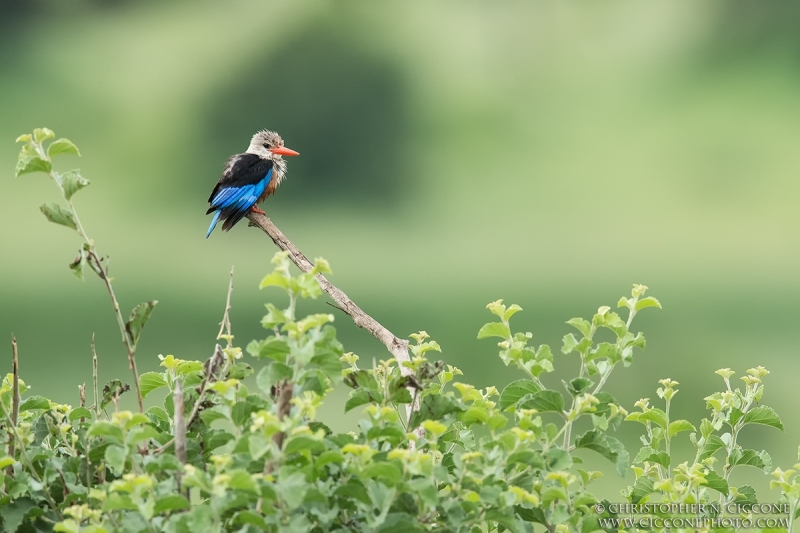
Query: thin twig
[
  {"x": 15, "y": 399},
  {"x": 102, "y": 271},
  {"x": 225, "y": 325},
  {"x": 397, "y": 347},
  {"x": 94, "y": 379}
]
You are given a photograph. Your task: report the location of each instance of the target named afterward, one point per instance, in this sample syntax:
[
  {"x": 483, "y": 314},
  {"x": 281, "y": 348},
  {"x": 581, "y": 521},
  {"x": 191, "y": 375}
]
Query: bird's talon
[{"x": 254, "y": 209}]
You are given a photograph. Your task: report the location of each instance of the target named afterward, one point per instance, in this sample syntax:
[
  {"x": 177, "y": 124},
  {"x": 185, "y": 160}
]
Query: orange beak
[{"x": 282, "y": 150}]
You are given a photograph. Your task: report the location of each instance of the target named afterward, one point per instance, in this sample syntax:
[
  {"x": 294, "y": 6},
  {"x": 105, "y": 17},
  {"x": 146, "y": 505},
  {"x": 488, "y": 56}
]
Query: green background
[{"x": 548, "y": 153}]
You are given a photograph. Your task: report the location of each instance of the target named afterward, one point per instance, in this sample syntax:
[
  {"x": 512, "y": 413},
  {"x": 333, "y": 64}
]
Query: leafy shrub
[{"x": 430, "y": 453}]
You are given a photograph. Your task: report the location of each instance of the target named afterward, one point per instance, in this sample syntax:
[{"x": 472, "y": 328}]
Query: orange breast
[{"x": 269, "y": 191}]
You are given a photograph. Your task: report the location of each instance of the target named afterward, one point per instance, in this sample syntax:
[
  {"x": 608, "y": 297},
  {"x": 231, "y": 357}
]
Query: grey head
[{"x": 269, "y": 145}]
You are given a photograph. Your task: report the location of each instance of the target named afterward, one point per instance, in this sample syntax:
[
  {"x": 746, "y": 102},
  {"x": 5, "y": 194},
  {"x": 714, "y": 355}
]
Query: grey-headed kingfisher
[{"x": 248, "y": 179}]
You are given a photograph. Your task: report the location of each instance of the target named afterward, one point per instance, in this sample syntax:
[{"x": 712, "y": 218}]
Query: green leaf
[
  {"x": 581, "y": 325},
  {"x": 515, "y": 390},
  {"x": 139, "y": 317},
  {"x": 710, "y": 447},
  {"x": 608, "y": 447},
  {"x": 641, "y": 488},
  {"x": 72, "y": 182},
  {"x": 150, "y": 381},
  {"x": 79, "y": 412},
  {"x": 171, "y": 502},
  {"x": 558, "y": 459},
  {"x": 761, "y": 460},
  {"x": 300, "y": 443},
  {"x": 58, "y": 215},
  {"x": 101, "y": 428},
  {"x": 763, "y": 415},
  {"x": 14, "y": 512},
  {"x": 33, "y": 403},
  {"x": 494, "y": 329},
  {"x": 42, "y": 134},
  {"x": 275, "y": 279},
  {"x": 546, "y": 401},
  {"x": 358, "y": 397},
  {"x": 647, "y": 302},
  {"x": 30, "y": 164},
  {"x": 661, "y": 458},
  {"x": 656, "y": 416},
  {"x": 678, "y": 426},
  {"x": 241, "y": 480},
  {"x": 115, "y": 457},
  {"x": 579, "y": 385},
  {"x": 435, "y": 407},
  {"x": 62, "y": 146},
  {"x": 272, "y": 374},
  {"x": 716, "y": 482}
]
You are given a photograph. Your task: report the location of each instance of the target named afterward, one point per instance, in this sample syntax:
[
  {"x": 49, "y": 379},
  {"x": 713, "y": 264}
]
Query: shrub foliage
[{"x": 236, "y": 445}]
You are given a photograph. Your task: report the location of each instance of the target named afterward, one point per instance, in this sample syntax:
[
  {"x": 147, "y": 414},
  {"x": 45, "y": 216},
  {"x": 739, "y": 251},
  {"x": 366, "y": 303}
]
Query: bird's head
[{"x": 269, "y": 145}]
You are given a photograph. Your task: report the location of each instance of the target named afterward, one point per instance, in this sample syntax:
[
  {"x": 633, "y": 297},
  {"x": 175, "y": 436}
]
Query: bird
[{"x": 248, "y": 179}]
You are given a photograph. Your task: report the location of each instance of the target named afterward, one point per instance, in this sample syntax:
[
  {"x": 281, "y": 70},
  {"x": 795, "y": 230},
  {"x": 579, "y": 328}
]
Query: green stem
[{"x": 102, "y": 272}]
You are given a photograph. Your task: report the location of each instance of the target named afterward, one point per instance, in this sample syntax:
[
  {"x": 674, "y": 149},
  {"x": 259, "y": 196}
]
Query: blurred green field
[{"x": 453, "y": 153}]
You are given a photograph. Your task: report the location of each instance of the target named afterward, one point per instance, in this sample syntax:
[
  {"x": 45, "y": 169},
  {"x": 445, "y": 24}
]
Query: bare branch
[{"x": 397, "y": 347}]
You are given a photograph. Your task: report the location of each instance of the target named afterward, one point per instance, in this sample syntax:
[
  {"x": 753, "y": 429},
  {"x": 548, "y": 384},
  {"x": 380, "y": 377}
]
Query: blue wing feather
[{"x": 235, "y": 202}]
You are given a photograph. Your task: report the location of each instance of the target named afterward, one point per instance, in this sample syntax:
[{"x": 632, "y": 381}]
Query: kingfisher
[{"x": 248, "y": 179}]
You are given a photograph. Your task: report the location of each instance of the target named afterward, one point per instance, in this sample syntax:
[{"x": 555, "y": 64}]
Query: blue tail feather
[{"x": 213, "y": 223}]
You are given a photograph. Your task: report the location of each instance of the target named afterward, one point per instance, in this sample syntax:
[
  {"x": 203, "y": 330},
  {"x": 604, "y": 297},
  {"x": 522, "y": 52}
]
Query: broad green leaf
[
  {"x": 300, "y": 443},
  {"x": 516, "y": 390},
  {"x": 361, "y": 397},
  {"x": 274, "y": 279},
  {"x": 33, "y": 403},
  {"x": 763, "y": 415},
  {"x": 171, "y": 502},
  {"x": 115, "y": 457},
  {"x": 241, "y": 480},
  {"x": 150, "y": 381},
  {"x": 62, "y": 146},
  {"x": 716, "y": 482},
  {"x": 740, "y": 457},
  {"x": 656, "y": 416},
  {"x": 642, "y": 488},
  {"x": 579, "y": 385},
  {"x": 79, "y": 412},
  {"x": 678, "y": 426},
  {"x": 558, "y": 459},
  {"x": 608, "y": 447},
  {"x": 72, "y": 182},
  {"x": 7, "y": 461},
  {"x": 272, "y": 374},
  {"x": 434, "y": 407},
  {"x": 101, "y": 428},
  {"x": 30, "y": 164},
  {"x": 139, "y": 317},
  {"x": 494, "y": 329},
  {"x": 661, "y": 458},
  {"x": 647, "y": 302},
  {"x": 14, "y": 512},
  {"x": 142, "y": 433},
  {"x": 710, "y": 447},
  {"x": 547, "y": 401},
  {"x": 581, "y": 325},
  {"x": 58, "y": 215}
]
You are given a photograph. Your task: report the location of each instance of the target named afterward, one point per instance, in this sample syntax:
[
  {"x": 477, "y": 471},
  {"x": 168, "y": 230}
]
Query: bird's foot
[{"x": 255, "y": 209}]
